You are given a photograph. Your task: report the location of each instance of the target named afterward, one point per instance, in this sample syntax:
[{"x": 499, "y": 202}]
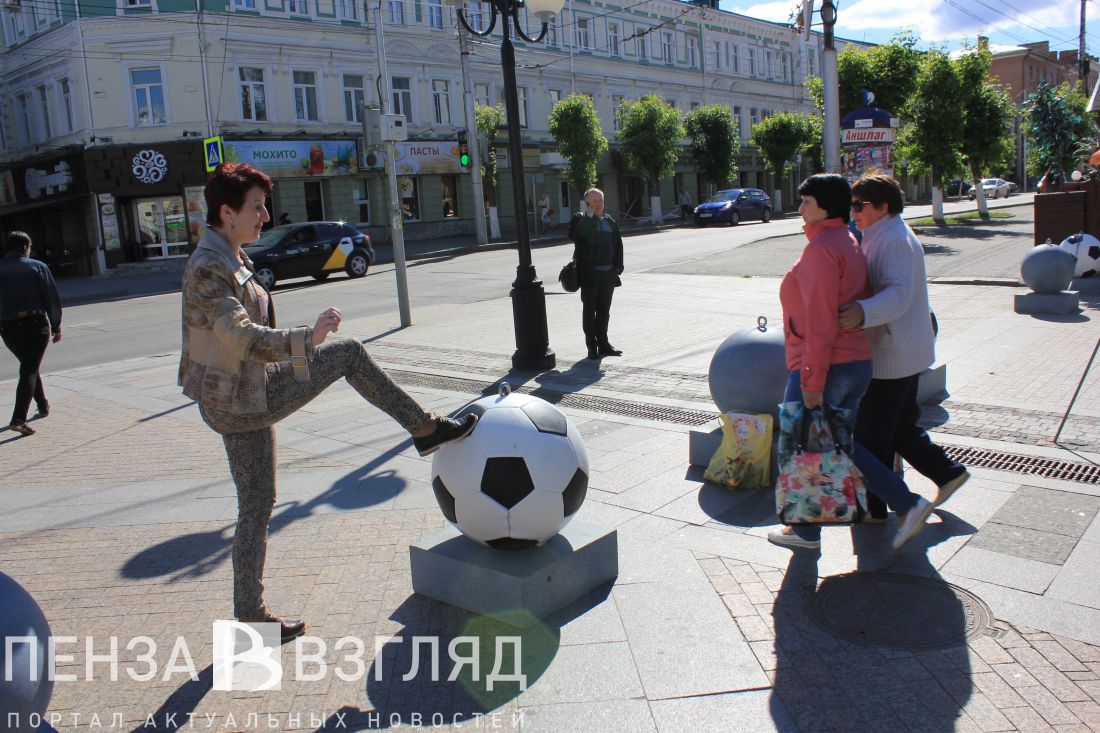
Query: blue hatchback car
[{"x": 733, "y": 206}]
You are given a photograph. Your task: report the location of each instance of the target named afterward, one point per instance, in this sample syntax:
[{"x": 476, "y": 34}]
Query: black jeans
[
  {"x": 596, "y": 312},
  {"x": 27, "y": 339},
  {"x": 887, "y": 424}
]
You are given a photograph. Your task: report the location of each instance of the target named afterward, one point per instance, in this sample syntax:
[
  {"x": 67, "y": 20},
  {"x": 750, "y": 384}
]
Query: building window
[
  {"x": 752, "y": 62},
  {"x": 148, "y": 89},
  {"x": 297, "y": 7},
  {"x": 66, "y": 103},
  {"x": 139, "y": 3},
  {"x": 613, "y": 38},
  {"x": 666, "y": 47},
  {"x": 737, "y": 121},
  {"x": 717, "y": 54},
  {"x": 555, "y": 96},
  {"x": 640, "y": 34},
  {"x": 46, "y": 128},
  {"x": 736, "y": 58},
  {"x": 17, "y": 27},
  {"x": 362, "y": 200},
  {"x": 521, "y": 93},
  {"x": 435, "y": 13},
  {"x": 583, "y": 40},
  {"x": 786, "y": 67},
  {"x": 402, "y": 96},
  {"x": 812, "y": 58},
  {"x": 354, "y": 97},
  {"x": 253, "y": 94},
  {"x": 693, "y": 105},
  {"x": 349, "y": 10},
  {"x": 481, "y": 94},
  {"x": 441, "y": 101},
  {"x": 245, "y": 4},
  {"x": 22, "y": 119},
  {"x": 449, "y": 185},
  {"x": 475, "y": 15},
  {"x": 754, "y": 117},
  {"x": 305, "y": 96},
  {"x": 552, "y": 31},
  {"x": 693, "y": 52},
  {"x": 396, "y": 11},
  {"x": 410, "y": 197},
  {"x": 616, "y": 110},
  {"x": 45, "y": 12}
]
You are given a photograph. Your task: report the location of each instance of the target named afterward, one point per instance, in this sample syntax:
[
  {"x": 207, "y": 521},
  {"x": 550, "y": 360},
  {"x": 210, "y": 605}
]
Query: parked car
[
  {"x": 733, "y": 206},
  {"x": 314, "y": 249},
  {"x": 993, "y": 188},
  {"x": 1012, "y": 187},
  {"x": 957, "y": 187}
]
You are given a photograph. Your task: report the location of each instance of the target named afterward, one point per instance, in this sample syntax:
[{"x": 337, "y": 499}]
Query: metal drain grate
[
  {"x": 1082, "y": 473},
  {"x": 643, "y": 410}
]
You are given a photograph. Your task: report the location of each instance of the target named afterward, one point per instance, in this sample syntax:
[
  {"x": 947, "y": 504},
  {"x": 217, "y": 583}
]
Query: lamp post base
[{"x": 533, "y": 352}]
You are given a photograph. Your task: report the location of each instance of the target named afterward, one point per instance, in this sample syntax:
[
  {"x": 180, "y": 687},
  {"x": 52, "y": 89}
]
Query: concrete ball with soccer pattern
[{"x": 518, "y": 478}]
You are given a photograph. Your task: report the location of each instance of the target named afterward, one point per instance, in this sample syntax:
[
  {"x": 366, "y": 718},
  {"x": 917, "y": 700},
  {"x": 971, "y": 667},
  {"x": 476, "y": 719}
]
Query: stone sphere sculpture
[
  {"x": 1047, "y": 269},
  {"x": 518, "y": 478},
  {"x": 26, "y": 694},
  {"x": 748, "y": 372}
]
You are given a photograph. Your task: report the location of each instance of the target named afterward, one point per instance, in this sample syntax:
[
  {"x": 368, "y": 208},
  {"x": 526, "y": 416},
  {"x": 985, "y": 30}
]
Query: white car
[{"x": 993, "y": 188}]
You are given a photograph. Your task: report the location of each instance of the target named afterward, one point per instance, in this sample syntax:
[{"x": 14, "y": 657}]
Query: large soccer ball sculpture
[
  {"x": 518, "y": 478},
  {"x": 1086, "y": 248}
]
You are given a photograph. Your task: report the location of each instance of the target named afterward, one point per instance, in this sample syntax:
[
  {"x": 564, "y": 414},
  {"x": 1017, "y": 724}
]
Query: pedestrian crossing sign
[{"x": 213, "y": 148}]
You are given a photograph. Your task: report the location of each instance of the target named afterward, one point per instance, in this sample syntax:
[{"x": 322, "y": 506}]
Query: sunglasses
[{"x": 857, "y": 205}]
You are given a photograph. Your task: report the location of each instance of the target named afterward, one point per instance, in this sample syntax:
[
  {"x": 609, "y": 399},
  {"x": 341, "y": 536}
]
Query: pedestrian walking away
[
  {"x": 897, "y": 319},
  {"x": 598, "y": 252},
  {"x": 829, "y": 365},
  {"x": 247, "y": 375},
  {"x": 30, "y": 317},
  {"x": 686, "y": 209}
]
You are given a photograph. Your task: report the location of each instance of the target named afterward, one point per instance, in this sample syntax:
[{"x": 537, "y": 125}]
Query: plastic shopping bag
[{"x": 743, "y": 461}]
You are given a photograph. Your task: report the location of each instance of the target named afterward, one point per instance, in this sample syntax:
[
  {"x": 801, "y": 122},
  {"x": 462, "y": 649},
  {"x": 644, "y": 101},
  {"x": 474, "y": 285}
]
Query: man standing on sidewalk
[
  {"x": 898, "y": 321},
  {"x": 598, "y": 252}
]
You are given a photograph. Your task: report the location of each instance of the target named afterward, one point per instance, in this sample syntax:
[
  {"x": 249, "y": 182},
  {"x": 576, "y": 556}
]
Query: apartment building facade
[{"x": 104, "y": 105}]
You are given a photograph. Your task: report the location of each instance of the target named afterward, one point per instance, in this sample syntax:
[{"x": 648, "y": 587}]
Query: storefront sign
[
  {"x": 108, "y": 217},
  {"x": 866, "y": 136},
  {"x": 295, "y": 158},
  {"x": 39, "y": 183},
  {"x": 7, "y": 188},
  {"x": 423, "y": 158},
  {"x": 149, "y": 166}
]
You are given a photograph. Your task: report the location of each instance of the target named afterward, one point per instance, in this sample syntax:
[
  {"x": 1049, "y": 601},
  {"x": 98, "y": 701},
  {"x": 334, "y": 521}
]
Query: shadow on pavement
[
  {"x": 194, "y": 555},
  {"x": 753, "y": 507},
  {"x": 895, "y": 677},
  {"x": 172, "y": 715}
]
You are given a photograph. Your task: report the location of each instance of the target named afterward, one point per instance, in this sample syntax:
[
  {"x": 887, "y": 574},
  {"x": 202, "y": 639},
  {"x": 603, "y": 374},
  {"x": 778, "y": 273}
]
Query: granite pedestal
[
  {"x": 1061, "y": 303},
  {"x": 452, "y": 568},
  {"x": 1086, "y": 285}
]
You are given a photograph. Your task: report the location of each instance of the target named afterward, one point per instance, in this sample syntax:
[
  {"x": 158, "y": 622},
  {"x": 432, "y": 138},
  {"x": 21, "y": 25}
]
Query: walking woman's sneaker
[
  {"x": 912, "y": 523},
  {"x": 785, "y": 537},
  {"x": 446, "y": 431},
  {"x": 950, "y": 487}
]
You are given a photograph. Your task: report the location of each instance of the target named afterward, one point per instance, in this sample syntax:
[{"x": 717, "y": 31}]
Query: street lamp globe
[
  {"x": 828, "y": 13},
  {"x": 544, "y": 10}
]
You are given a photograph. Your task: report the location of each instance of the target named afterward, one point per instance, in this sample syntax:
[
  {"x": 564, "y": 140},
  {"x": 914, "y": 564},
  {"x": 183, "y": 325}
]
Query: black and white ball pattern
[{"x": 1086, "y": 248}]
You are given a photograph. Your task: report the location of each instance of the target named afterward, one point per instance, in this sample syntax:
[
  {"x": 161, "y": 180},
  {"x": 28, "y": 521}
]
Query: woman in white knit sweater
[{"x": 898, "y": 322}]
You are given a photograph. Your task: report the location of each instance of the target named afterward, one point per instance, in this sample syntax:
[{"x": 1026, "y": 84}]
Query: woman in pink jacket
[{"x": 827, "y": 364}]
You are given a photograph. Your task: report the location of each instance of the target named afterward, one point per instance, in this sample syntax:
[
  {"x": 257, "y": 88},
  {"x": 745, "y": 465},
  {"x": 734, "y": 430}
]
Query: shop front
[
  {"x": 47, "y": 197},
  {"x": 315, "y": 180},
  {"x": 149, "y": 199}
]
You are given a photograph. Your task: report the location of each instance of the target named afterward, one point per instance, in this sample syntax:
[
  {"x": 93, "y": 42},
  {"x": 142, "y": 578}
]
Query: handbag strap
[{"x": 828, "y": 415}]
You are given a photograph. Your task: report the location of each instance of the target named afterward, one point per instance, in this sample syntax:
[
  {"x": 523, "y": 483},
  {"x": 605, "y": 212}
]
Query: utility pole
[
  {"x": 473, "y": 140},
  {"x": 397, "y": 231},
  {"x": 1082, "y": 58},
  {"x": 831, "y": 81}
]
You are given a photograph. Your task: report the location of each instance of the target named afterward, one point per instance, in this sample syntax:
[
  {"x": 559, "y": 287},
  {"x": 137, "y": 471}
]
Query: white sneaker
[
  {"x": 949, "y": 488},
  {"x": 785, "y": 537},
  {"x": 912, "y": 523}
]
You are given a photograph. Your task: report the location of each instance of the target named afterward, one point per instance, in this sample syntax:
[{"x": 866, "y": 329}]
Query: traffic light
[{"x": 463, "y": 151}]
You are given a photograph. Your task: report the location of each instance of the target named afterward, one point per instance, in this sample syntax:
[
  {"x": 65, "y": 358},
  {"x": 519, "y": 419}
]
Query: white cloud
[{"x": 780, "y": 11}]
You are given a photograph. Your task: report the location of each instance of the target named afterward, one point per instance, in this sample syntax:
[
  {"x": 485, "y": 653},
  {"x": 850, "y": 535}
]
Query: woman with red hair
[{"x": 247, "y": 375}]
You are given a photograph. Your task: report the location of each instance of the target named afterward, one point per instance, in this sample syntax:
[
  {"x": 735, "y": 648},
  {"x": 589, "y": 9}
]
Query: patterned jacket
[{"x": 225, "y": 354}]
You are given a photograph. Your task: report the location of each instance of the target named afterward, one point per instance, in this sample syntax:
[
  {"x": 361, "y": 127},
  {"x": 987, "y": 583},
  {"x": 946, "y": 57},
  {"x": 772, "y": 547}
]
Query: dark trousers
[
  {"x": 27, "y": 339},
  {"x": 887, "y": 424},
  {"x": 596, "y": 312}
]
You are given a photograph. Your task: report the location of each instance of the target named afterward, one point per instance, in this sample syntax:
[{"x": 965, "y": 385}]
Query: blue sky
[{"x": 949, "y": 22}]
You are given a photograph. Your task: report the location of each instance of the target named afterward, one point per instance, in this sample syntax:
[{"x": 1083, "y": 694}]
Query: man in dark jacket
[
  {"x": 30, "y": 310},
  {"x": 598, "y": 252}
]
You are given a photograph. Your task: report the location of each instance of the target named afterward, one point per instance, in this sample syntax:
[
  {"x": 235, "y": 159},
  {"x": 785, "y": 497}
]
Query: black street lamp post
[{"x": 533, "y": 350}]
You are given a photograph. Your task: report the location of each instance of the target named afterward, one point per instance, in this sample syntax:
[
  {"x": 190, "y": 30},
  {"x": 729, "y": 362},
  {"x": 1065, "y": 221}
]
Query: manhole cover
[{"x": 902, "y": 611}]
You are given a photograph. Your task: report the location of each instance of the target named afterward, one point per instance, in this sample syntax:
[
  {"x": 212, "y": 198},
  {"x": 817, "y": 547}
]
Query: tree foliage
[
  {"x": 1056, "y": 123},
  {"x": 780, "y": 138},
  {"x": 715, "y": 142},
  {"x": 575, "y": 127},
  {"x": 650, "y": 132},
  {"x": 489, "y": 120},
  {"x": 935, "y": 111}
]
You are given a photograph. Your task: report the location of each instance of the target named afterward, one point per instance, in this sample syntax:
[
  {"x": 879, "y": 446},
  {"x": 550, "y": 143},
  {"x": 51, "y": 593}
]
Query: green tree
[
  {"x": 1056, "y": 123},
  {"x": 987, "y": 114},
  {"x": 715, "y": 142},
  {"x": 780, "y": 138},
  {"x": 650, "y": 132},
  {"x": 575, "y": 127},
  {"x": 489, "y": 120},
  {"x": 933, "y": 140}
]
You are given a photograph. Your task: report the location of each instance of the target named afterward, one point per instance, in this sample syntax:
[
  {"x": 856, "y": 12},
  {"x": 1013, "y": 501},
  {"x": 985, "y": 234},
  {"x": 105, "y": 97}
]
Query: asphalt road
[{"x": 110, "y": 331}]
